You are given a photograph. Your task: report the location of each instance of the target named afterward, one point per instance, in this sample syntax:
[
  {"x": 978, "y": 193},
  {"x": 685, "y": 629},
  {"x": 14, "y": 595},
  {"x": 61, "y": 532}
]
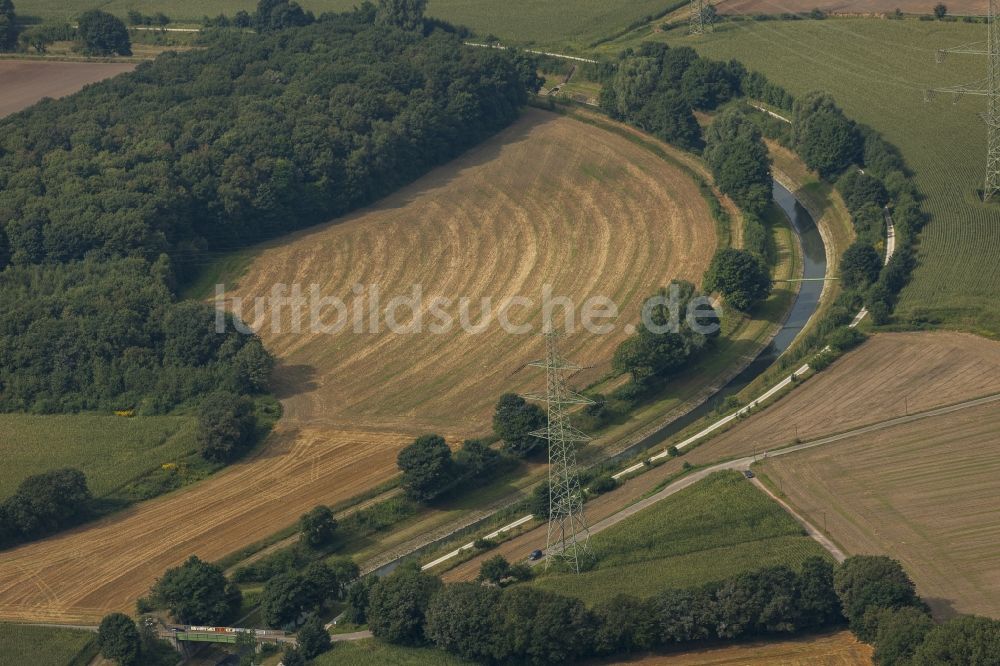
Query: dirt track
[
  {"x": 593, "y": 213},
  {"x": 24, "y": 82},
  {"x": 924, "y": 493},
  {"x": 866, "y": 386}
]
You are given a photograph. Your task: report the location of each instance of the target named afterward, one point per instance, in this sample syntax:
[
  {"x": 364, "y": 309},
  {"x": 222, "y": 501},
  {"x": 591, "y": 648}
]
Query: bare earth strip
[
  {"x": 836, "y": 649},
  {"x": 925, "y": 493},
  {"x": 550, "y": 200},
  {"x": 25, "y": 82}
]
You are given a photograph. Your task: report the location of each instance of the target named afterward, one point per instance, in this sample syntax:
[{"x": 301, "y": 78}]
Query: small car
[
  {"x": 535, "y": 555},
  {"x": 747, "y": 473}
]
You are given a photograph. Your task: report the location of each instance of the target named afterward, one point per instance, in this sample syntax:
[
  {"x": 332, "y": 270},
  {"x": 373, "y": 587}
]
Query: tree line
[
  {"x": 112, "y": 198},
  {"x": 485, "y": 623},
  {"x": 658, "y": 89}
]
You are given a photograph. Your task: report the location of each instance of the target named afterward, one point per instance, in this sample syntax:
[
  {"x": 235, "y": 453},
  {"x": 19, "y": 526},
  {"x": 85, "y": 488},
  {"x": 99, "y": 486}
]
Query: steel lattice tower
[
  {"x": 992, "y": 183},
  {"x": 568, "y": 536},
  {"x": 990, "y": 88},
  {"x": 698, "y": 23}
]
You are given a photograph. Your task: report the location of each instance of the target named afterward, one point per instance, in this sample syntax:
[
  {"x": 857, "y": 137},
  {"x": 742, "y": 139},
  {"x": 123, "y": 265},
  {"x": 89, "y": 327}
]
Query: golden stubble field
[
  {"x": 840, "y": 648},
  {"x": 550, "y": 200},
  {"x": 925, "y": 493}
]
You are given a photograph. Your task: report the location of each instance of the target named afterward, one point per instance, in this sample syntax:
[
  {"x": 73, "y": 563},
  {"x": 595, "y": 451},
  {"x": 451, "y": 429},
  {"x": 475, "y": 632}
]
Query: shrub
[
  {"x": 197, "y": 593},
  {"x": 103, "y": 34},
  {"x": 43, "y": 504},
  {"x": 514, "y": 420},
  {"x": 739, "y": 276},
  {"x": 119, "y": 639},
  {"x": 604, "y": 483},
  {"x": 318, "y": 526},
  {"x": 313, "y": 638},
  {"x": 398, "y": 603},
  {"x": 225, "y": 426},
  {"x": 859, "y": 266}
]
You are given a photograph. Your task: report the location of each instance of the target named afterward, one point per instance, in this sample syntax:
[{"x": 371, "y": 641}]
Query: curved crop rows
[{"x": 550, "y": 200}]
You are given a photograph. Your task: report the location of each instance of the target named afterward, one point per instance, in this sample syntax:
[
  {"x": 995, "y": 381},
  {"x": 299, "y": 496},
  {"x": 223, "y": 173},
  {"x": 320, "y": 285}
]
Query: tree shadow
[
  {"x": 290, "y": 380},
  {"x": 942, "y": 609}
]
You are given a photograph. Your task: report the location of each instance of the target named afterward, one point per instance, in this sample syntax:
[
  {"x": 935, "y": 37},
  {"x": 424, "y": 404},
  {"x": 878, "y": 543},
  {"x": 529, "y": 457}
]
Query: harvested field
[
  {"x": 595, "y": 215},
  {"x": 585, "y": 197},
  {"x": 25, "y": 82},
  {"x": 848, "y": 7},
  {"x": 887, "y": 376},
  {"x": 924, "y": 493},
  {"x": 836, "y": 649}
]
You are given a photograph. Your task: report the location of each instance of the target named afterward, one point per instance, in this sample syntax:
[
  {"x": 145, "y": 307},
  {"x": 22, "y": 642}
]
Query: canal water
[{"x": 806, "y": 302}]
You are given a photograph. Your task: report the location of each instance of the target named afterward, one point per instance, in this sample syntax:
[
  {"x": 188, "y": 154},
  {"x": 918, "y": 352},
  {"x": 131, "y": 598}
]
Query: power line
[
  {"x": 988, "y": 87},
  {"x": 700, "y": 19},
  {"x": 568, "y": 537}
]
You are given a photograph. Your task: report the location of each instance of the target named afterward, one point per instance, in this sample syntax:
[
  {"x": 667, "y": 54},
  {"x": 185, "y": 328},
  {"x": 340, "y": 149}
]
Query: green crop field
[
  {"x": 25, "y": 644},
  {"x": 524, "y": 21},
  {"x": 717, "y": 528},
  {"x": 110, "y": 450},
  {"x": 878, "y": 71},
  {"x": 377, "y": 653}
]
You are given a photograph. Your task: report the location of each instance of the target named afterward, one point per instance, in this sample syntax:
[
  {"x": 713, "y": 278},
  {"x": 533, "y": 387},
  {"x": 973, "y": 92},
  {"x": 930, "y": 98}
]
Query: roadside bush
[
  {"x": 197, "y": 593},
  {"x": 119, "y": 639},
  {"x": 859, "y": 266},
  {"x": 397, "y": 605},
  {"x": 844, "y": 338},
  {"x": 603, "y": 484}
]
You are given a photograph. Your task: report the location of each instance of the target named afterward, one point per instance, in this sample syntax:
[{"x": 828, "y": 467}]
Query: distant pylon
[
  {"x": 699, "y": 19},
  {"x": 990, "y": 88},
  {"x": 992, "y": 183},
  {"x": 568, "y": 537}
]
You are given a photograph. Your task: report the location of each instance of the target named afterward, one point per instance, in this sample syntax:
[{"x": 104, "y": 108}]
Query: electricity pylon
[
  {"x": 699, "y": 18},
  {"x": 568, "y": 536},
  {"x": 988, "y": 87}
]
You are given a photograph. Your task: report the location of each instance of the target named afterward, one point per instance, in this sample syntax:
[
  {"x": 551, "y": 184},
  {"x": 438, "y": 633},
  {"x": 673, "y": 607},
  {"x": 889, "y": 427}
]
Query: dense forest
[{"x": 113, "y": 197}]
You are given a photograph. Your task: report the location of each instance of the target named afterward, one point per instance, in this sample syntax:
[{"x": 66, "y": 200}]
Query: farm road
[{"x": 516, "y": 548}]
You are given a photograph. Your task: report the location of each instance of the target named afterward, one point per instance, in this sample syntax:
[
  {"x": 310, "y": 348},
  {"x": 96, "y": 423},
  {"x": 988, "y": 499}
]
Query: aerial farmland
[{"x": 441, "y": 331}]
